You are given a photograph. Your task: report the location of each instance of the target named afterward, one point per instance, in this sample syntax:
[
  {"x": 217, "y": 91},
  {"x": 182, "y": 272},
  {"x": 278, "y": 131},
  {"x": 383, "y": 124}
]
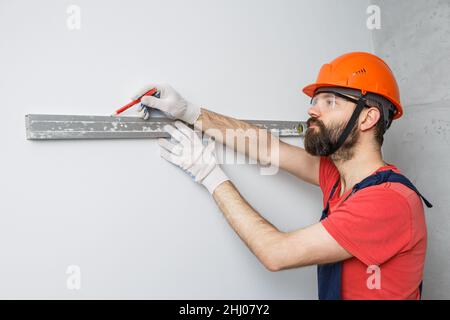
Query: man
[{"x": 371, "y": 240}]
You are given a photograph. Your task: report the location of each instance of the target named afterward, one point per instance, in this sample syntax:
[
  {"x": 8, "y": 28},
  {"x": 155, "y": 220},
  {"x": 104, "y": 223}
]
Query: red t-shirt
[{"x": 382, "y": 226}]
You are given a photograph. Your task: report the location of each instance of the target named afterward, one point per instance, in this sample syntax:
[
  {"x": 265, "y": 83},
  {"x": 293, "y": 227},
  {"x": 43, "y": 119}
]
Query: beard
[{"x": 320, "y": 141}]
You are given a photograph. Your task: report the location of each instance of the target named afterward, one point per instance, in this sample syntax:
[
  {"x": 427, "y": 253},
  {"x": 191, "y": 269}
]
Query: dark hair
[{"x": 380, "y": 127}]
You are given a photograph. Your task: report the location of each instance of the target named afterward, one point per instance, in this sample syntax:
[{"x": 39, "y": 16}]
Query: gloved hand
[
  {"x": 186, "y": 150},
  {"x": 170, "y": 102}
]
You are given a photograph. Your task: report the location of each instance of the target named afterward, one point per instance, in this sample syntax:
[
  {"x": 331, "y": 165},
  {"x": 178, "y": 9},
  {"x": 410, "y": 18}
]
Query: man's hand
[
  {"x": 187, "y": 151},
  {"x": 170, "y": 102}
]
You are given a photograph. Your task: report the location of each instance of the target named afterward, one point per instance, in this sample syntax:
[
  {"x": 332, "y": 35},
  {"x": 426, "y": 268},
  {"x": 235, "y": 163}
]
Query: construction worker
[{"x": 371, "y": 240}]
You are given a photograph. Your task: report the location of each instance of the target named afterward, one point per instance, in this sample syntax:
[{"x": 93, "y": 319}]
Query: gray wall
[
  {"x": 415, "y": 40},
  {"x": 137, "y": 226}
]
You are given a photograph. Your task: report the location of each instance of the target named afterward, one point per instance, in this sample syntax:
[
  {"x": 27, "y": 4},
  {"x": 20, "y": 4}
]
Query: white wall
[
  {"x": 137, "y": 226},
  {"x": 417, "y": 47}
]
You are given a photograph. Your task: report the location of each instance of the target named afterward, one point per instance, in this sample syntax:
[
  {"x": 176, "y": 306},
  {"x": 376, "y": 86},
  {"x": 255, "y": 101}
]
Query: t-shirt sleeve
[{"x": 374, "y": 224}]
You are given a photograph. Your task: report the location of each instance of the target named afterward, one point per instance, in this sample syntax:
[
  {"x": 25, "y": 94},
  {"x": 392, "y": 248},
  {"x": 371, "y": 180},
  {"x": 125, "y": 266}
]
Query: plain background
[{"x": 137, "y": 226}]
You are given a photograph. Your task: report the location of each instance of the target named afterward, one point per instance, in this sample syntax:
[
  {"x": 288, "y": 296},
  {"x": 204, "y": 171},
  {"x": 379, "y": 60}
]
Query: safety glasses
[{"x": 328, "y": 100}]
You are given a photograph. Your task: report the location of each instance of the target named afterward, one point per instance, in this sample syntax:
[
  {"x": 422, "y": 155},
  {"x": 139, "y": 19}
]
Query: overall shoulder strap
[
  {"x": 332, "y": 191},
  {"x": 387, "y": 176},
  {"x": 327, "y": 206},
  {"x": 396, "y": 177}
]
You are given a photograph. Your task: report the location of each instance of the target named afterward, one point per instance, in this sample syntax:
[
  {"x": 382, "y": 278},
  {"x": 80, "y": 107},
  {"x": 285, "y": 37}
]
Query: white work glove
[
  {"x": 186, "y": 150},
  {"x": 170, "y": 102}
]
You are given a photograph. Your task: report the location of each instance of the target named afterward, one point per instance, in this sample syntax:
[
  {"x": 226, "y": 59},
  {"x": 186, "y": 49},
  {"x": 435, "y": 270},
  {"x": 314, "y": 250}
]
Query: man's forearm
[
  {"x": 258, "y": 234},
  {"x": 241, "y": 136}
]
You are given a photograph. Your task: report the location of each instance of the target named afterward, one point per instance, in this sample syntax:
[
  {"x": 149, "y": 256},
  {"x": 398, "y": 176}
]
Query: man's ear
[{"x": 370, "y": 118}]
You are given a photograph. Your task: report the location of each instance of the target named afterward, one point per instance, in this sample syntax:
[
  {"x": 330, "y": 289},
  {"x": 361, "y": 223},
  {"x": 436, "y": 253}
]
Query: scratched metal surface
[{"x": 66, "y": 127}]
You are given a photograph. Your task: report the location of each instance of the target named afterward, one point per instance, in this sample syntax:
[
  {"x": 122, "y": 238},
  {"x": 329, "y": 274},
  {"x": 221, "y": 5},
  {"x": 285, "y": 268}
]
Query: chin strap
[{"x": 350, "y": 124}]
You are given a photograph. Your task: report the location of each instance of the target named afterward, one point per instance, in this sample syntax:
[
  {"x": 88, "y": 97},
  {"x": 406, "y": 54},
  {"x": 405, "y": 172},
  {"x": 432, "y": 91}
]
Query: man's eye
[
  {"x": 339, "y": 101},
  {"x": 330, "y": 102}
]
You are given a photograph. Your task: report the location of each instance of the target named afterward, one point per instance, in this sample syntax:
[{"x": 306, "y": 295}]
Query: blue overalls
[{"x": 329, "y": 275}]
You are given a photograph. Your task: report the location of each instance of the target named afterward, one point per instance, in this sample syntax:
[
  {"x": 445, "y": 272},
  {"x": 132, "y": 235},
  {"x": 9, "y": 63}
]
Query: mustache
[{"x": 316, "y": 122}]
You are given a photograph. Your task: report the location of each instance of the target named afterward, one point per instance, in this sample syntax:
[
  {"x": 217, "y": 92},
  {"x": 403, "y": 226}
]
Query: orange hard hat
[{"x": 362, "y": 71}]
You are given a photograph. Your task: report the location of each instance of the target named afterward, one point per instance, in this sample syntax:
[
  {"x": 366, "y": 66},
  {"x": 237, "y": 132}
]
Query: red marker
[{"x": 132, "y": 103}]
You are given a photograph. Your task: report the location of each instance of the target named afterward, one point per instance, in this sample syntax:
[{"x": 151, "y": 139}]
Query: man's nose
[{"x": 314, "y": 111}]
